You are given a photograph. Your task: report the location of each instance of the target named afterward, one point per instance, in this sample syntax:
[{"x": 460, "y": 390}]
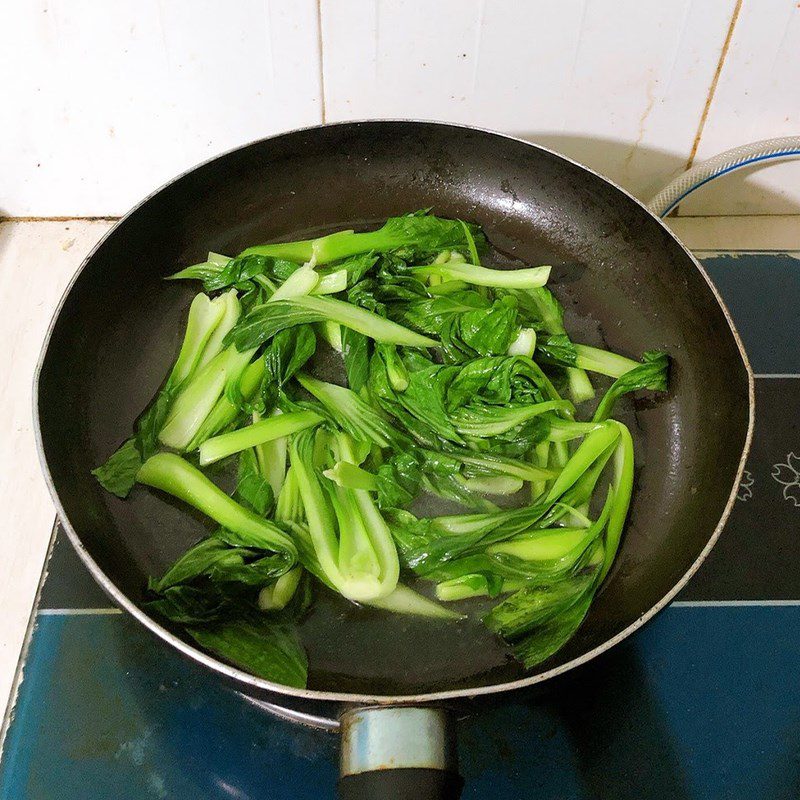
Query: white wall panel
[
  {"x": 757, "y": 97},
  {"x": 104, "y": 101},
  {"x": 618, "y": 85}
]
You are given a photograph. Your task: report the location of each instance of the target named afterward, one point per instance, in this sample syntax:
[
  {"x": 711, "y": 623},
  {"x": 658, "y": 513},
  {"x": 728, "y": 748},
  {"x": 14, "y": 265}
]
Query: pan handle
[{"x": 398, "y": 753}]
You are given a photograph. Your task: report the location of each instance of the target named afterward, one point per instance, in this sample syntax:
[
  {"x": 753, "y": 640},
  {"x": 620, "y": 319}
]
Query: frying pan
[{"x": 627, "y": 282}]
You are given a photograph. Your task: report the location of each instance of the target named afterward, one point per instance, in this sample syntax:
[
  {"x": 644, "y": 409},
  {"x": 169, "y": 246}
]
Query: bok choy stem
[
  {"x": 266, "y": 430},
  {"x": 173, "y": 475}
]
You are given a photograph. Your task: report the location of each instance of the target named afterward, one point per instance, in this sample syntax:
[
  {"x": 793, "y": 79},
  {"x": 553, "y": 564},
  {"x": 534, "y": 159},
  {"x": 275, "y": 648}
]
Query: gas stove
[{"x": 703, "y": 703}]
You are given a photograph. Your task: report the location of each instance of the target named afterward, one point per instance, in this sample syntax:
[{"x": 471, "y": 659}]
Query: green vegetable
[
  {"x": 539, "y": 620},
  {"x": 419, "y": 233},
  {"x": 277, "y": 595},
  {"x": 266, "y": 430},
  {"x": 540, "y": 457},
  {"x": 497, "y": 465},
  {"x": 524, "y": 344},
  {"x": 406, "y": 601},
  {"x": 331, "y": 332},
  {"x": 271, "y": 458},
  {"x": 118, "y": 474},
  {"x": 355, "y": 354},
  {"x": 553, "y": 634},
  {"x": 542, "y": 309},
  {"x": 231, "y": 310},
  {"x": 622, "y": 488},
  {"x": 482, "y": 276},
  {"x": 541, "y": 545},
  {"x": 451, "y": 374},
  {"x": 472, "y": 585},
  {"x": 486, "y": 421},
  {"x": 399, "y": 480},
  {"x": 192, "y": 605},
  {"x": 351, "y": 476},
  {"x": 220, "y": 272},
  {"x": 226, "y": 410},
  {"x": 558, "y": 349},
  {"x": 201, "y": 559},
  {"x": 494, "y": 484},
  {"x": 603, "y": 361},
  {"x": 430, "y": 311},
  {"x": 284, "y": 357},
  {"x": 354, "y": 415},
  {"x": 253, "y": 489},
  {"x": 396, "y": 370},
  {"x": 471, "y": 246},
  {"x": 537, "y": 604},
  {"x": 198, "y": 396},
  {"x": 483, "y": 332},
  {"x": 173, "y": 475},
  {"x": 301, "y": 282},
  {"x": 268, "y": 651},
  {"x": 205, "y": 316},
  {"x": 566, "y": 430},
  {"x": 590, "y": 450},
  {"x": 426, "y": 545},
  {"x": 650, "y": 374},
  {"x": 264, "y": 321},
  {"x": 332, "y": 283},
  {"x": 351, "y": 541},
  {"x": 396, "y": 482}
]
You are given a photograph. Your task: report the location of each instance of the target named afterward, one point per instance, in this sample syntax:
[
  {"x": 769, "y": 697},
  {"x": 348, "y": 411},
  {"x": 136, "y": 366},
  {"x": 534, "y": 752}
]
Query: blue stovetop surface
[{"x": 703, "y": 703}]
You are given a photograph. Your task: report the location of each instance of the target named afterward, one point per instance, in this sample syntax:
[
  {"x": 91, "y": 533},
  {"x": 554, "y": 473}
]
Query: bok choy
[{"x": 449, "y": 385}]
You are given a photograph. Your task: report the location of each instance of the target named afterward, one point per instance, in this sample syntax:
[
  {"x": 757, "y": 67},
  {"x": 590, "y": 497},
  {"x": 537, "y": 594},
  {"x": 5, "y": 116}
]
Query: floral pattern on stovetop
[{"x": 788, "y": 475}]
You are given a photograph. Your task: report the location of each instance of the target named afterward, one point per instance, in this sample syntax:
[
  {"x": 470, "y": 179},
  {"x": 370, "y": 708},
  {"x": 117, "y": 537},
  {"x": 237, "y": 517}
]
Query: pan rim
[{"x": 245, "y": 678}]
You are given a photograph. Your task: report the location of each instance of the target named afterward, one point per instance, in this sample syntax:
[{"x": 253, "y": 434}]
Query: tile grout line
[
  {"x": 59, "y": 219},
  {"x": 702, "y": 252},
  {"x": 712, "y": 89},
  {"x": 737, "y": 216},
  {"x": 733, "y": 603},
  {"x": 321, "y": 47},
  {"x": 77, "y": 612}
]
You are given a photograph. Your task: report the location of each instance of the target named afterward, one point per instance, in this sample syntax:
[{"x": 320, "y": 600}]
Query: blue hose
[{"x": 672, "y": 194}]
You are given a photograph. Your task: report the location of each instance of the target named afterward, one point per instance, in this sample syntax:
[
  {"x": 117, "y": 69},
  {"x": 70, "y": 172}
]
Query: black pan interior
[{"x": 625, "y": 281}]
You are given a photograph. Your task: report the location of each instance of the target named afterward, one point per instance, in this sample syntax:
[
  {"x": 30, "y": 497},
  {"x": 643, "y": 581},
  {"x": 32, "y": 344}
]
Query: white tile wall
[
  {"x": 105, "y": 101},
  {"x": 757, "y": 97},
  {"x": 618, "y": 85}
]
